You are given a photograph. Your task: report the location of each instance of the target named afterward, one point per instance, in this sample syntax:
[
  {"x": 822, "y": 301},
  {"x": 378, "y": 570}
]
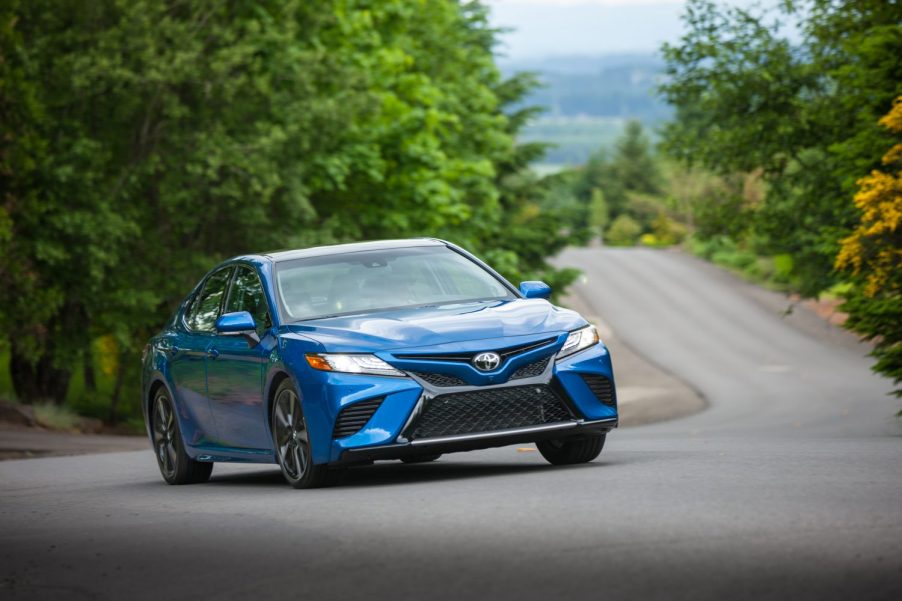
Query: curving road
[{"x": 788, "y": 486}]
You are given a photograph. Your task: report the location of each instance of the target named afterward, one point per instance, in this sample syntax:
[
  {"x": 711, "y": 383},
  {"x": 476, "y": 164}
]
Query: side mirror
[
  {"x": 535, "y": 289},
  {"x": 239, "y": 323}
]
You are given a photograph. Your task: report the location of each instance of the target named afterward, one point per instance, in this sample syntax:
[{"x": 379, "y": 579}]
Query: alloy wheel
[
  {"x": 164, "y": 434},
  {"x": 291, "y": 434}
]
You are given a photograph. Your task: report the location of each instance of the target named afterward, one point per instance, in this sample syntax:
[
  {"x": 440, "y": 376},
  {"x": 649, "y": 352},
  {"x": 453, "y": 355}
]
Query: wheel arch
[
  {"x": 155, "y": 385},
  {"x": 275, "y": 380}
]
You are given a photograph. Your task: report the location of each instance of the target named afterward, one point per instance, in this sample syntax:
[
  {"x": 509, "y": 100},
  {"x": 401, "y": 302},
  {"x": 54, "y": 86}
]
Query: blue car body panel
[{"x": 222, "y": 385}]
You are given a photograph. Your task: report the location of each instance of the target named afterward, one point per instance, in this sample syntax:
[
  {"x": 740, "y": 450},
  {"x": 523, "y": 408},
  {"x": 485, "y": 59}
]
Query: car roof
[{"x": 335, "y": 249}]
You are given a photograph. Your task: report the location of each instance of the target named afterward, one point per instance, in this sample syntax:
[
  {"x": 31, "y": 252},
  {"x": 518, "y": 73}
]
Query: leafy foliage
[
  {"x": 150, "y": 139},
  {"x": 873, "y": 253},
  {"x": 802, "y": 115}
]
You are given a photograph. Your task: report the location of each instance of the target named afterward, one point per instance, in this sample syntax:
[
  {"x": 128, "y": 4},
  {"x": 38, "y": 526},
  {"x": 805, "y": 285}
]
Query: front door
[
  {"x": 187, "y": 350},
  {"x": 236, "y": 368}
]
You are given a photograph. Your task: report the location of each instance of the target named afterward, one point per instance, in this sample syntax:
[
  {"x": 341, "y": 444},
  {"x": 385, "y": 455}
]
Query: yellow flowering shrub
[{"x": 874, "y": 249}]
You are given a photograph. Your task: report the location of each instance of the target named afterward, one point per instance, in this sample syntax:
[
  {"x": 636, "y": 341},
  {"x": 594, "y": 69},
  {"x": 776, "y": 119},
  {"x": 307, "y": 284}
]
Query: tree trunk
[
  {"x": 88, "y": 367},
  {"x": 39, "y": 380},
  {"x": 117, "y": 387}
]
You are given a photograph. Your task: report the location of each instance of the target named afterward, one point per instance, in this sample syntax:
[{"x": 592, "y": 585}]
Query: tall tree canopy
[
  {"x": 145, "y": 140},
  {"x": 803, "y": 113}
]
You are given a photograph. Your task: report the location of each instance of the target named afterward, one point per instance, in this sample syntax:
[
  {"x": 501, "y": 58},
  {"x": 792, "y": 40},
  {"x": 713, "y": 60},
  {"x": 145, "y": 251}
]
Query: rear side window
[
  {"x": 204, "y": 310},
  {"x": 247, "y": 295}
]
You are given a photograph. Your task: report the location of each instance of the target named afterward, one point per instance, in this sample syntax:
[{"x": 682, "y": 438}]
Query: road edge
[{"x": 646, "y": 392}]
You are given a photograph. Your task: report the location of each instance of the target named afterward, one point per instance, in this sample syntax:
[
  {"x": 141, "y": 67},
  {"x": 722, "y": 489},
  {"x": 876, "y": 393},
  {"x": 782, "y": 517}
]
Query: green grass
[{"x": 56, "y": 417}]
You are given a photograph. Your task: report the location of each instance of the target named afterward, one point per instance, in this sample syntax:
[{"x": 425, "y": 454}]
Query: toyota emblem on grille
[{"x": 486, "y": 361}]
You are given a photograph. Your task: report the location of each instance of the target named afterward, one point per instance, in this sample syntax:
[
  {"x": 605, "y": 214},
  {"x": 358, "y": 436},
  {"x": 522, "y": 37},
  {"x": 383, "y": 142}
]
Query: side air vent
[
  {"x": 354, "y": 417},
  {"x": 601, "y": 387}
]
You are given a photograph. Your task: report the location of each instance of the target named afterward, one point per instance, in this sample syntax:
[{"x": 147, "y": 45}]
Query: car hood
[{"x": 436, "y": 326}]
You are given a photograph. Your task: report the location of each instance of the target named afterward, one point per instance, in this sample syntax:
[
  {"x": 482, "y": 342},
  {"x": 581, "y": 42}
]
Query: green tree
[
  {"x": 152, "y": 138},
  {"x": 624, "y": 231},
  {"x": 803, "y": 115},
  {"x": 630, "y": 170},
  {"x": 599, "y": 215},
  {"x": 873, "y": 253}
]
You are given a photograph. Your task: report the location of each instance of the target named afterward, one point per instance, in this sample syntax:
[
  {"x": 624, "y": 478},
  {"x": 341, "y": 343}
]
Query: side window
[
  {"x": 205, "y": 308},
  {"x": 247, "y": 295}
]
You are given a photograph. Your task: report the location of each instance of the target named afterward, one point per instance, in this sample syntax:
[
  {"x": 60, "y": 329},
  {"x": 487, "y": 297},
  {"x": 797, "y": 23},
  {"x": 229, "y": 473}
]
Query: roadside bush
[{"x": 624, "y": 231}]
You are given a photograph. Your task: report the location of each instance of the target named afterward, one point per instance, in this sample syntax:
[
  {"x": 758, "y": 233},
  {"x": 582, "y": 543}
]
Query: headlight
[
  {"x": 352, "y": 364},
  {"x": 579, "y": 340}
]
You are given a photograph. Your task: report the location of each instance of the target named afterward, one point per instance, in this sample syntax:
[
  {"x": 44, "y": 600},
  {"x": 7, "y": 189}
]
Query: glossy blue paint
[
  {"x": 239, "y": 321},
  {"x": 222, "y": 384},
  {"x": 535, "y": 289},
  {"x": 593, "y": 360}
]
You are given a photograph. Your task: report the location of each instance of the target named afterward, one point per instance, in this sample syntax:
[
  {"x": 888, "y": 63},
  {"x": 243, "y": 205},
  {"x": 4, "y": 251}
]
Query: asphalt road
[{"x": 788, "y": 486}]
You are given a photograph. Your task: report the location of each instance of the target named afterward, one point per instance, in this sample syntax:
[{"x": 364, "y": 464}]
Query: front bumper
[
  {"x": 389, "y": 432},
  {"x": 480, "y": 440}
]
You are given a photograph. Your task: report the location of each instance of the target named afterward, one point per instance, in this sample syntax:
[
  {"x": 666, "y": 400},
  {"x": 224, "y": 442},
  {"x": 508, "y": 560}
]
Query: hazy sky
[{"x": 555, "y": 27}]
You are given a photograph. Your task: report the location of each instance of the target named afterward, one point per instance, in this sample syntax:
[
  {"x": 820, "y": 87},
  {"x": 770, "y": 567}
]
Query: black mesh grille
[
  {"x": 489, "y": 410},
  {"x": 602, "y": 388},
  {"x": 443, "y": 380},
  {"x": 531, "y": 370},
  {"x": 353, "y": 417}
]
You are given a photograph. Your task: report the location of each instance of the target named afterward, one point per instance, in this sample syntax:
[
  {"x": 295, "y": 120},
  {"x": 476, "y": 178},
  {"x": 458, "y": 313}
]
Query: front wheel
[
  {"x": 292, "y": 441},
  {"x": 175, "y": 464},
  {"x": 568, "y": 451}
]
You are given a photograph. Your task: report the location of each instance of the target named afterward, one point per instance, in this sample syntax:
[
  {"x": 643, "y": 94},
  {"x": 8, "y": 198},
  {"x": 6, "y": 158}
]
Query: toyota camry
[{"x": 329, "y": 357}]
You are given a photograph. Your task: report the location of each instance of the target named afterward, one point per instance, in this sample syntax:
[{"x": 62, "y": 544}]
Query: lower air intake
[
  {"x": 489, "y": 410},
  {"x": 354, "y": 417},
  {"x": 601, "y": 387}
]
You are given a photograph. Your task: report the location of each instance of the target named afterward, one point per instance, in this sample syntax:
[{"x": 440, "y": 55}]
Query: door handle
[{"x": 212, "y": 353}]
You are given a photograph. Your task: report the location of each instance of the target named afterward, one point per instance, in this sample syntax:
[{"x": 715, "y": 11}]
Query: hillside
[{"x": 589, "y": 98}]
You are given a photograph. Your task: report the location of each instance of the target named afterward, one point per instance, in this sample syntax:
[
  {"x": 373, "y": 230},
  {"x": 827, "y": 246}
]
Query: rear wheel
[
  {"x": 568, "y": 451},
  {"x": 292, "y": 441},
  {"x": 421, "y": 458},
  {"x": 175, "y": 464}
]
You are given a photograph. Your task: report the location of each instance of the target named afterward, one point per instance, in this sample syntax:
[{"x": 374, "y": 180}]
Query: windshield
[{"x": 377, "y": 280}]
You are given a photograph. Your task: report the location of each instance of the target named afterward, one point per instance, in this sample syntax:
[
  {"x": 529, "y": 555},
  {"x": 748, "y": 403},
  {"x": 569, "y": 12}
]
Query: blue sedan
[{"x": 329, "y": 357}]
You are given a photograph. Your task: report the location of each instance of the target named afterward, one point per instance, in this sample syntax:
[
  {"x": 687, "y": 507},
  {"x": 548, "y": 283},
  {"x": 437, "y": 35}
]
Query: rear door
[
  {"x": 235, "y": 369},
  {"x": 188, "y": 355}
]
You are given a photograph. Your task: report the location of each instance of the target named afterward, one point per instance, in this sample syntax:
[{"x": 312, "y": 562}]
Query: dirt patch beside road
[{"x": 20, "y": 442}]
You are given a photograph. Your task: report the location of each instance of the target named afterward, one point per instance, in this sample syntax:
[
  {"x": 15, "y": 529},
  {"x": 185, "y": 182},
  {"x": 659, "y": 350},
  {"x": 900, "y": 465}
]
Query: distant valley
[{"x": 588, "y": 99}]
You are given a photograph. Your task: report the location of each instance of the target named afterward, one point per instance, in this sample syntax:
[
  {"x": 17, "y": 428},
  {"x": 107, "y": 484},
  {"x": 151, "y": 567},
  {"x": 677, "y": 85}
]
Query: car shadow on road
[{"x": 397, "y": 473}]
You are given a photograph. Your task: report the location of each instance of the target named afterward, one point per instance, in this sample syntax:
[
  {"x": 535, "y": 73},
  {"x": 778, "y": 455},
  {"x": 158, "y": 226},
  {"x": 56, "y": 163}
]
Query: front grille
[
  {"x": 489, "y": 410},
  {"x": 531, "y": 370},
  {"x": 442, "y": 380},
  {"x": 601, "y": 387},
  {"x": 354, "y": 417}
]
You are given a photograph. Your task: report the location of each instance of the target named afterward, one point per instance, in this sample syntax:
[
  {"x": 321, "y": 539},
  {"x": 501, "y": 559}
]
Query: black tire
[
  {"x": 421, "y": 458},
  {"x": 568, "y": 451},
  {"x": 175, "y": 465},
  {"x": 291, "y": 441}
]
